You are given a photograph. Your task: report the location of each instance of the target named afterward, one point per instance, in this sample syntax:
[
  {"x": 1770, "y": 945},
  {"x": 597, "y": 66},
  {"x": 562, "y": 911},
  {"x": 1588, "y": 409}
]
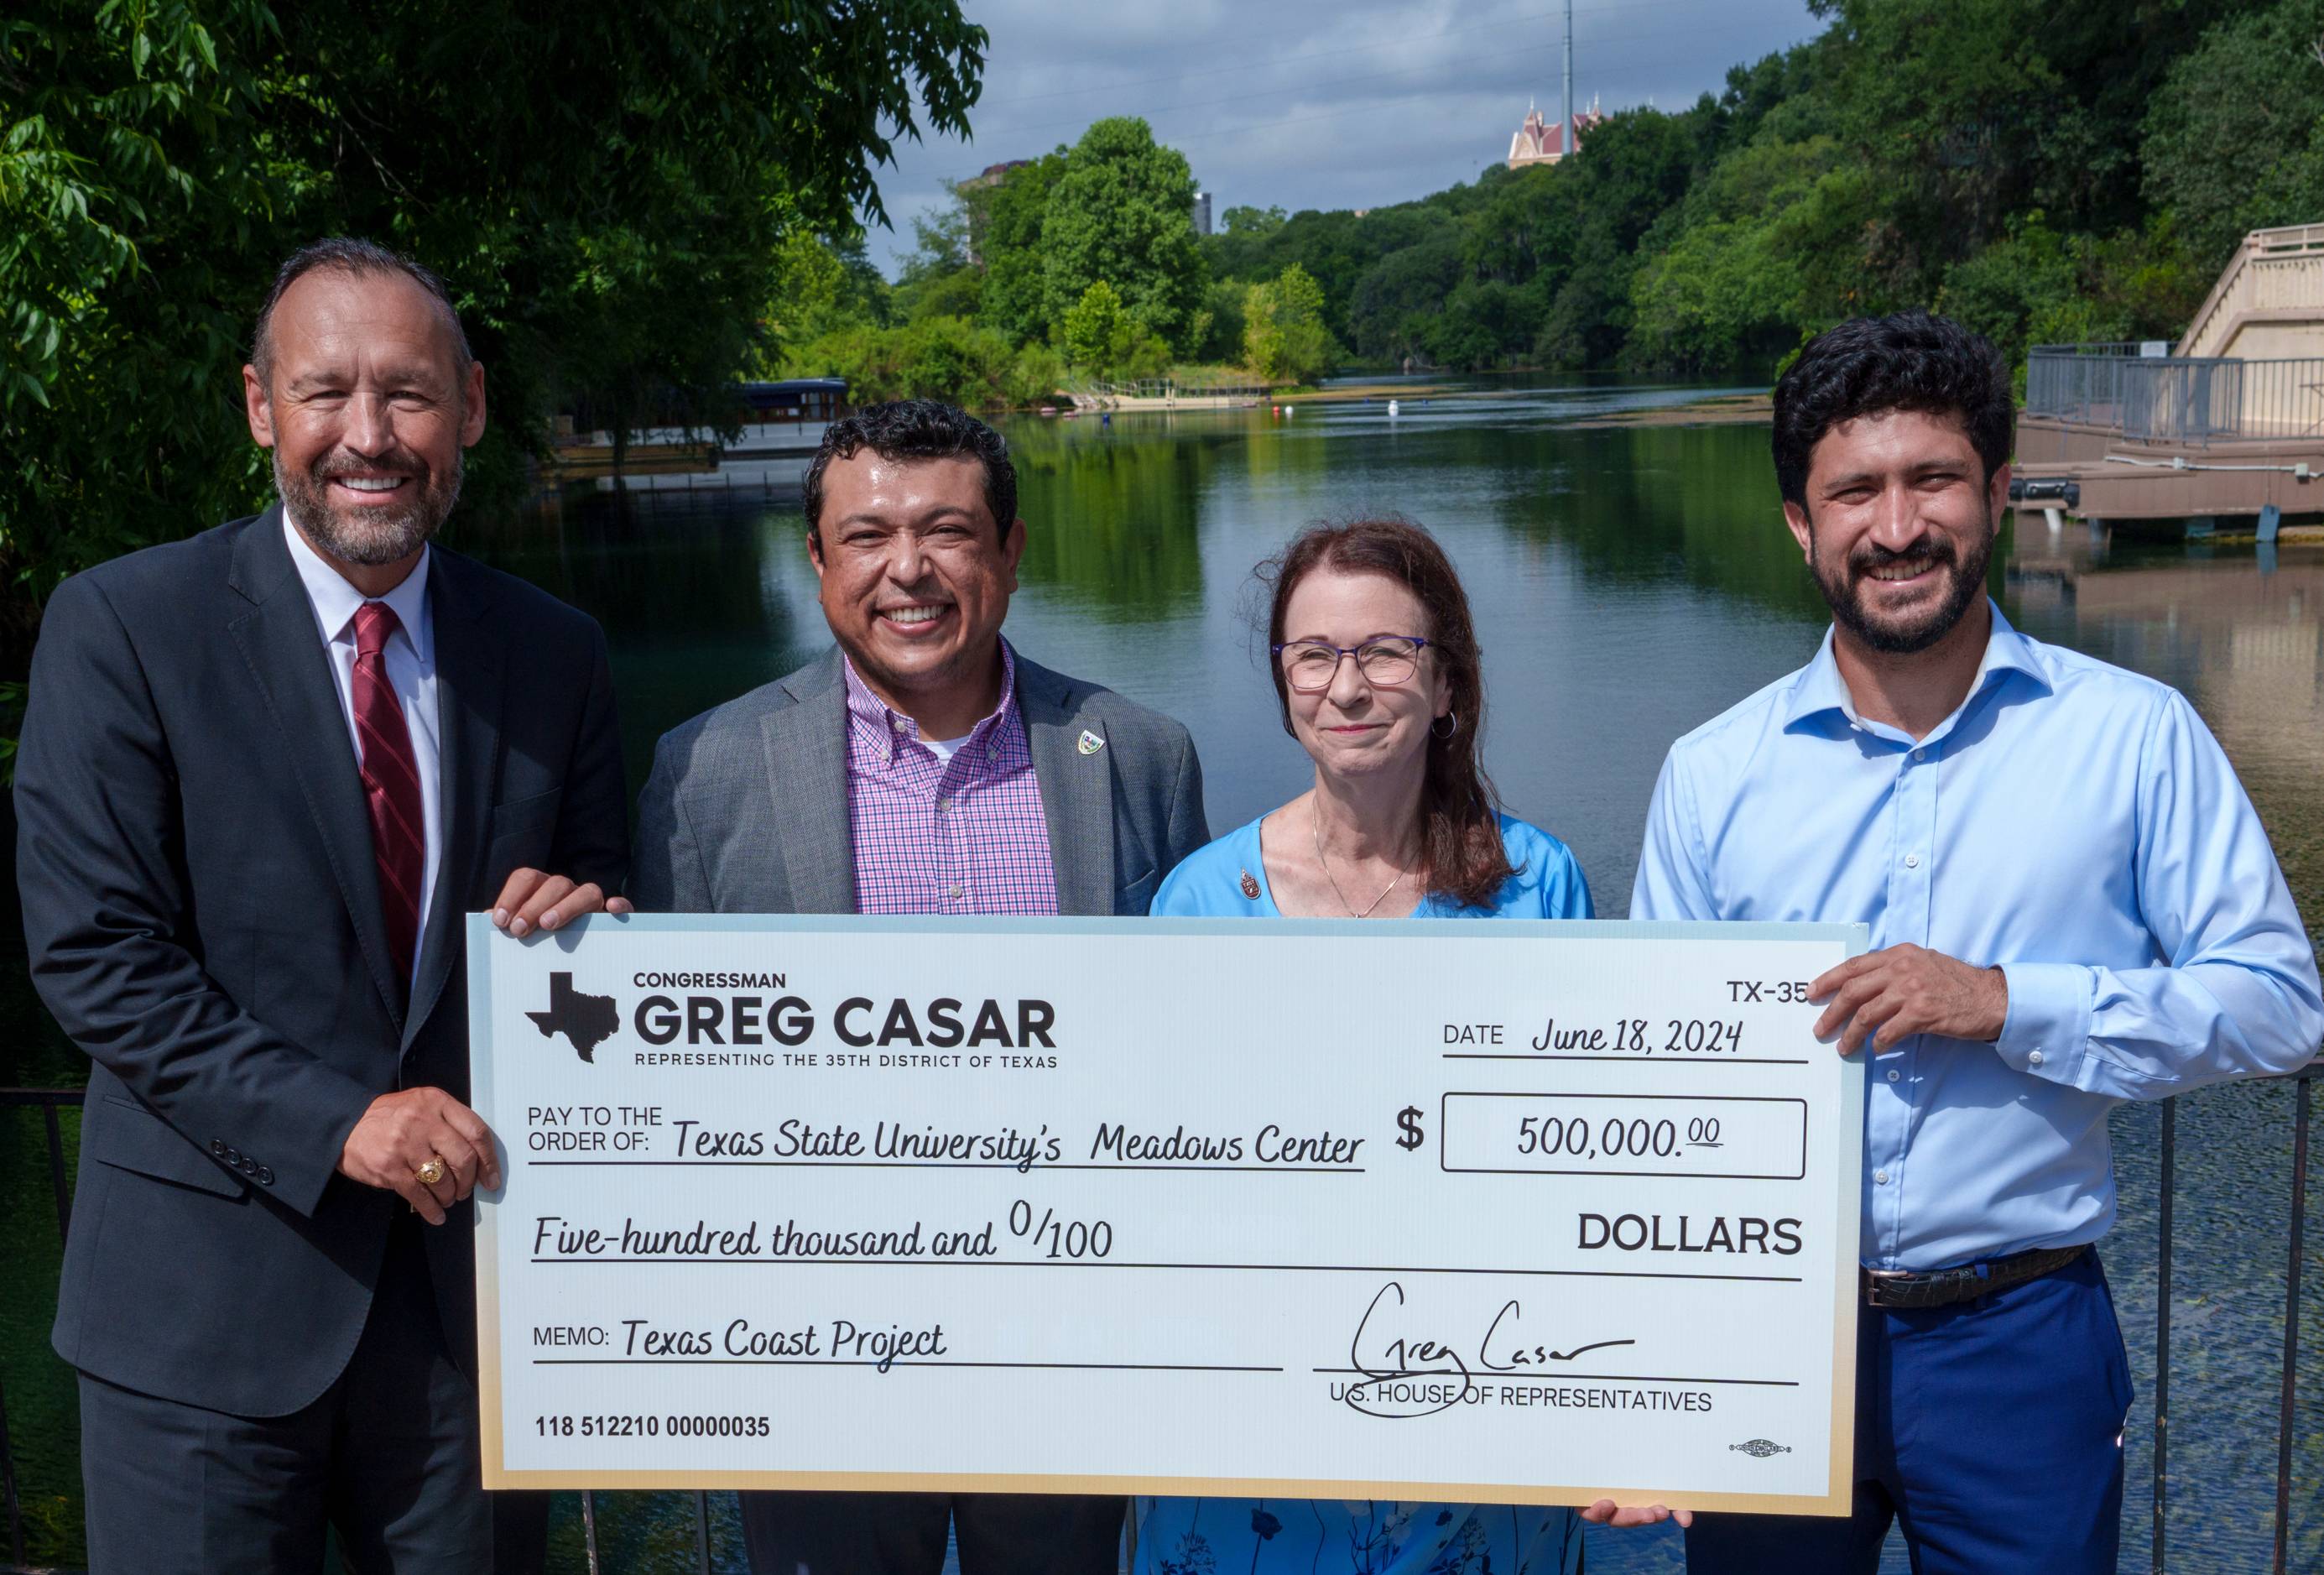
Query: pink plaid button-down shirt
[{"x": 960, "y": 836}]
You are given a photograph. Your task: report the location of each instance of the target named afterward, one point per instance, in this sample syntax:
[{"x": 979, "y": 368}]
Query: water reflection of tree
[
  {"x": 1112, "y": 514},
  {"x": 685, "y": 586},
  {"x": 1639, "y": 503}
]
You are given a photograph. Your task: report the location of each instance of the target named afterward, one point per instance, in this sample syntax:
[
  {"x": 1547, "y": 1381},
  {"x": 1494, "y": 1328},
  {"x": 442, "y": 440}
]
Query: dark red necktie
[{"x": 391, "y": 777}]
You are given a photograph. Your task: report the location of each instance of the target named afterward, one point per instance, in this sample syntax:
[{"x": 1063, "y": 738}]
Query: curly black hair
[
  {"x": 916, "y": 429},
  {"x": 1912, "y": 361}
]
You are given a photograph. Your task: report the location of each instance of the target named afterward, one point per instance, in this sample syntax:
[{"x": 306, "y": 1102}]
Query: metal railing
[
  {"x": 49, "y": 1101},
  {"x": 1170, "y": 388},
  {"x": 2195, "y": 400}
]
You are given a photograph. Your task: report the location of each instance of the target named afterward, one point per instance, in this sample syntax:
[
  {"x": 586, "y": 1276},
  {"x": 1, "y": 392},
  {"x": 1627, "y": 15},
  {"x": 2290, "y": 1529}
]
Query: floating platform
[
  {"x": 2093, "y": 472},
  {"x": 587, "y": 461}
]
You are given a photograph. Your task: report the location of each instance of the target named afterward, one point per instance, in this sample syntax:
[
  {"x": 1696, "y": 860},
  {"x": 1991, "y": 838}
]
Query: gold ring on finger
[{"x": 429, "y": 1173}]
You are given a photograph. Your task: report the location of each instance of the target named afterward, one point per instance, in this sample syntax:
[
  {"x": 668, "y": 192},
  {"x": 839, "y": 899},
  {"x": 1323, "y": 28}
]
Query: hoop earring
[{"x": 1452, "y": 717}]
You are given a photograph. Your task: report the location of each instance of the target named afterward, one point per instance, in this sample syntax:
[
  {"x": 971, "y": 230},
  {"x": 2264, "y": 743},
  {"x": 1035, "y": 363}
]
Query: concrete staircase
[{"x": 2268, "y": 304}]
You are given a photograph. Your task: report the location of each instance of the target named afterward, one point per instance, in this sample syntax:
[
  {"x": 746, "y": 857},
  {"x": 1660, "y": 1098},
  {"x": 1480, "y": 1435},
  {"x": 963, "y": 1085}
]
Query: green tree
[
  {"x": 932, "y": 357},
  {"x": 2235, "y": 138},
  {"x": 939, "y": 240},
  {"x": 605, "y": 190},
  {"x": 803, "y": 292},
  {"x": 1122, "y": 210},
  {"x": 1759, "y": 253},
  {"x": 1284, "y": 336},
  {"x": 1223, "y": 322},
  {"x": 937, "y": 279},
  {"x": 1399, "y": 296},
  {"x": 1005, "y": 222},
  {"x": 1245, "y": 220},
  {"x": 1948, "y": 103},
  {"x": 1099, "y": 336},
  {"x": 1095, "y": 331}
]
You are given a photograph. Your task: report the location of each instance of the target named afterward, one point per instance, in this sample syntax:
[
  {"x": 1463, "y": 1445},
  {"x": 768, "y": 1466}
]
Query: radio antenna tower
[{"x": 1565, "y": 104}]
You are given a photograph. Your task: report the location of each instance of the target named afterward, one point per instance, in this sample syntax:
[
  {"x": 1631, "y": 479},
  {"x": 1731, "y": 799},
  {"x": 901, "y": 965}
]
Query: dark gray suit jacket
[
  {"x": 746, "y": 810},
  {"x": 202, "y": 912}
]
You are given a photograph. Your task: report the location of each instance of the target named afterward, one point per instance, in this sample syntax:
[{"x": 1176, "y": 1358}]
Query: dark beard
[
  {"x": 1965, "y": 583},
  {"x": 388, "y": 536}
]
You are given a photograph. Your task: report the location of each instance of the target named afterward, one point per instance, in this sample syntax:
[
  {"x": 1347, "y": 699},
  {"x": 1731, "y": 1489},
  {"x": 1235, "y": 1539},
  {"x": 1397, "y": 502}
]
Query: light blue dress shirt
[{"x": 2074, "y": 823}]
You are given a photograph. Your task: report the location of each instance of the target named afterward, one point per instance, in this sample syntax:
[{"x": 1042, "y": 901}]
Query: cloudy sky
[{"x": 1322, "y": 103}]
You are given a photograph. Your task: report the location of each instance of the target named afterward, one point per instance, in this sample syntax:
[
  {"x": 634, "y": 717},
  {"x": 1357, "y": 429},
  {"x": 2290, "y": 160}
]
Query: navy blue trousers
[
  {"x": 1990, "y": 1432},
  {"x": 387, "y": 1457}
]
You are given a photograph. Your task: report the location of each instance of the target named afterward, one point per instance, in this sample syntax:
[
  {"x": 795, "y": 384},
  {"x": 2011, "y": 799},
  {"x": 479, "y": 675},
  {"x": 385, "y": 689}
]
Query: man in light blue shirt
[{"x": 2073, "y": 903}]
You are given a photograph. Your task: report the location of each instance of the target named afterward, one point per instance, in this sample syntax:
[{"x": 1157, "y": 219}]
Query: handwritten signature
[{"x": 1387, "y": 1355}]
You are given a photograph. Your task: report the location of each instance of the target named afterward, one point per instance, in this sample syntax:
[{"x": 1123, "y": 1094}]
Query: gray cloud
[{"x": 1324, "y": 103}]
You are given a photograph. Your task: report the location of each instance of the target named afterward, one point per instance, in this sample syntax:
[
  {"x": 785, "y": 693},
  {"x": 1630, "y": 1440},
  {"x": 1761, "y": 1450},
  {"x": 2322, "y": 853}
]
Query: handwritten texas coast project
[{"x": 1511, "y": 1212}]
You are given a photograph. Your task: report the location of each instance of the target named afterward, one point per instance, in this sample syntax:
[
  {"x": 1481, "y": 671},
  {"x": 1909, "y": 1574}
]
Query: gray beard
[{"x": 389, "y": 536}]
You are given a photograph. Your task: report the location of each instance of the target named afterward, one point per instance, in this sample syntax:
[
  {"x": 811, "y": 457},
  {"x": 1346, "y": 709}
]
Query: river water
[{"x": 1629, "y": 581}]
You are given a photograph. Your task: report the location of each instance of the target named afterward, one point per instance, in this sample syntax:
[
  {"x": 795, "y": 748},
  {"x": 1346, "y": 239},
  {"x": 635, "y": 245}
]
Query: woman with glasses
[
  {"x": 1377, "y": 671},
  {"x": 1378, "y": 674}
]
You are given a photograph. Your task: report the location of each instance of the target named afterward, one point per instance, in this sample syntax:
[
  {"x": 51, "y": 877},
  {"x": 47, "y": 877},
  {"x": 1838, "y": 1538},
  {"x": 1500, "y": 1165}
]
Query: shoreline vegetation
[
  {"x": 2043, "y": 171},
  {"x": 1708, "y": 409},
  {"x": 2085, "y": 181}
]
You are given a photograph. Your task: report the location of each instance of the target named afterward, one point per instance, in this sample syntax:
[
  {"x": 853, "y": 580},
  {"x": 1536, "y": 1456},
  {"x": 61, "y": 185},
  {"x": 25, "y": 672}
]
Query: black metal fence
[{"x": 50, "y": 1102}]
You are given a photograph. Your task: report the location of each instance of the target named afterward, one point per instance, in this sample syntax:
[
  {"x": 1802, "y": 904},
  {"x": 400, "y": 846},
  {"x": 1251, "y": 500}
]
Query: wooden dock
[{"x": 2227, "y": 424}]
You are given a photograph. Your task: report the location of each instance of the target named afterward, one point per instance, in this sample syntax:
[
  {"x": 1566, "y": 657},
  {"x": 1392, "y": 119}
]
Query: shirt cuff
[{"x": 2049, "y": 1022}]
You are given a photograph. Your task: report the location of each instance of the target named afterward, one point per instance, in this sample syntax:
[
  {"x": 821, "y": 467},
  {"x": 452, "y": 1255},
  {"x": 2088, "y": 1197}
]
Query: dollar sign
[{"x": 1408, "y": 1119}]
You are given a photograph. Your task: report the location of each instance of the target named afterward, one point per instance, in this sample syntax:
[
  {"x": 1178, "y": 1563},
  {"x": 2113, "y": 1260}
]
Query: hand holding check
[
  {"x": 1887, "y": 995},
  {"x": 417, "y": 1129},
  {"x": 534, "y": 899},
  {"x": 422, "y": 1144},
  {"x": 1606, "y": 1513}
]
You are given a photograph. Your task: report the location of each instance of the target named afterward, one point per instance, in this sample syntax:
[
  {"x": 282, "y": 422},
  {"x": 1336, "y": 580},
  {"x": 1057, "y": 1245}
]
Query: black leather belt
[{"x": 1900, "y": 1290}]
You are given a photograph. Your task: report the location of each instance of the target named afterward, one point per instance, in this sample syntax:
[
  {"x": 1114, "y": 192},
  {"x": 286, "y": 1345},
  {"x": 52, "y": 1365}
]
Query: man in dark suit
[
  {"x": 924, "y": 766},
  {"x": 265, "y": 774}
]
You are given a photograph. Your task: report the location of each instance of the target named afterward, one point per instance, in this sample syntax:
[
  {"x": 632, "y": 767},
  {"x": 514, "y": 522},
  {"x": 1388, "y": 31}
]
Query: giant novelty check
[{"x": 1503, "y": 1211}]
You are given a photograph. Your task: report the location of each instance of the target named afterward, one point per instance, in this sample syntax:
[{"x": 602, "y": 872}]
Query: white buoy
[{"x": 1393, "y": 408}]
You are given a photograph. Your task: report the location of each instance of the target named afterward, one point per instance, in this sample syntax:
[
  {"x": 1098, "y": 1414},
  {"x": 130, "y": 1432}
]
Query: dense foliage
[
  {"x": 1081, "y": 263},
  {"x": 610, "y": 189},
  {"x": 2044, "y": 169},
  {"x": 635, "y": 202}
]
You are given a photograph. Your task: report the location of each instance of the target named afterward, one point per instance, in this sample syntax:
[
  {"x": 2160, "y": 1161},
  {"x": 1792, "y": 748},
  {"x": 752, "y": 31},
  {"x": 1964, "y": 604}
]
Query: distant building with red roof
[{"x": 1540, "y": 141}]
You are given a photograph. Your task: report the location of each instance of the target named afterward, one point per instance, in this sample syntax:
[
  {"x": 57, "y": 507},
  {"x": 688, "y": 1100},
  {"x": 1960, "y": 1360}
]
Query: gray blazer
[{"x": 746, "y": 810}]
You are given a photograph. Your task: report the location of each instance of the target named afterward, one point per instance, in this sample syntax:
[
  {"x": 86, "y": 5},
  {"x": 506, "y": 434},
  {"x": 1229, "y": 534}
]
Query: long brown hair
[{"x": 1459, "y": 824}]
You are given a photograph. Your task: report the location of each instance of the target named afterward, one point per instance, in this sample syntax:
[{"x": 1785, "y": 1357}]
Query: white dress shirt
[{"x": 410, "y": 660}]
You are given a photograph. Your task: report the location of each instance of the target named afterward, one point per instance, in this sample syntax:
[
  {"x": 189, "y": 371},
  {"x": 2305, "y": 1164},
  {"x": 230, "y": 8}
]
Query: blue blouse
[
  {"x": 1364, "y": 1536},
  {"x": 1228, "y": 879},
  {"x": 1296, "y": 1536}
]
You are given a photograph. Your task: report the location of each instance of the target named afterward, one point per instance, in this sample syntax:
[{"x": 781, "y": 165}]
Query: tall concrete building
[{"x": 1201, "y": 213}]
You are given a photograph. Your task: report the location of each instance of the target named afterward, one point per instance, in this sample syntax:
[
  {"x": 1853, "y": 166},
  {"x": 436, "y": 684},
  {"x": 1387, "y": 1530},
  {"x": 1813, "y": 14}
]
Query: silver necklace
[{"x": 1315, "y": 824}]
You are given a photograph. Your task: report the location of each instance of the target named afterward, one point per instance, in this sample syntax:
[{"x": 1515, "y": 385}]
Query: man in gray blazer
[{"x": 922, "y": 767}]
